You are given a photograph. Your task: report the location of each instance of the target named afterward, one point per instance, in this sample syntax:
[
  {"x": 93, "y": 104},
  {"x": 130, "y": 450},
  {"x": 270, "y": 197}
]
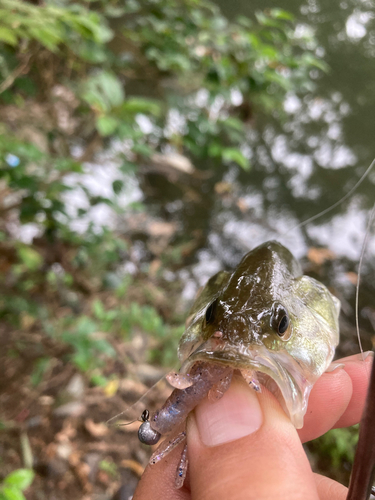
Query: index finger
[{"x": 338, "y": 397}]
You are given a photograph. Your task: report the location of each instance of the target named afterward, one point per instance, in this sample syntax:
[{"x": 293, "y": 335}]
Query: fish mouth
[{"x": 278, "y": 371}]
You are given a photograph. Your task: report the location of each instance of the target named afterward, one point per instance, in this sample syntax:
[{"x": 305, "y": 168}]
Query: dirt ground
[{"x": 61, "y": 427}]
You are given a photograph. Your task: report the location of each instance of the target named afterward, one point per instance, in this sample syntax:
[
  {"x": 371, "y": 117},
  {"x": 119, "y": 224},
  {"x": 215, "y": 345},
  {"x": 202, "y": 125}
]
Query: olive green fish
[{"x": 266, "y": 319}]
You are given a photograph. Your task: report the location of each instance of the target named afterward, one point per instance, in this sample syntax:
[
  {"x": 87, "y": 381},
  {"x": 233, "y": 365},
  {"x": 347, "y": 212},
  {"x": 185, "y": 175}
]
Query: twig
[{"x": 26, "y": 450}]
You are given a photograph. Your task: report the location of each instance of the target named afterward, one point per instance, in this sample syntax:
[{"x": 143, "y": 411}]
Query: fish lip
[
  {"x": 294, "y": 388},
  {"x": 256, "y": 358}
]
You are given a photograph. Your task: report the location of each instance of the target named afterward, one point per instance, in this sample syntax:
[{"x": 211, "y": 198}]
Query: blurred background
[{"x": 144, "y": 146}]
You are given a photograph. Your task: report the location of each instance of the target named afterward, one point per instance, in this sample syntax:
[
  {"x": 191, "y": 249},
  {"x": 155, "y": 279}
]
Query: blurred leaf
[
  {"x": 235, "y": 155},
  {"x": 11, "y": 493},
  {"x": 111, "y": 388},
  {"x": 7, "y": 36},
  {"x": 106, "y": 125},
  {"x": 142, "y": 105},
  {"x": 103, "y": 91},
  {"x": 281, "y": 14},
  {"x": 30, "y": 257},
  {"x": 117, "y": 186},
  {"x": 21, "y": 478}
]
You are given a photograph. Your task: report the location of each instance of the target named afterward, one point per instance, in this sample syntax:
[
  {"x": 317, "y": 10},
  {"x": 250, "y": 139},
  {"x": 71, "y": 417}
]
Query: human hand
[{"x": 245, "y": 447}]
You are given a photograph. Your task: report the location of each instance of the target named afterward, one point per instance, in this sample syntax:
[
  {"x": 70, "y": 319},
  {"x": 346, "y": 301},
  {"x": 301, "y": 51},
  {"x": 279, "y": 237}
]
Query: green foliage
[
  {"x": 80, "y": 78},
  {"x": 15, "y": 483},
  {"x": 338, "y": 445},
  {"x": 90, "y": 347},
  {"x": 125, "y": 319},
  {"x": 109, "y": 467},
  {"x": 50, "y": 25}
]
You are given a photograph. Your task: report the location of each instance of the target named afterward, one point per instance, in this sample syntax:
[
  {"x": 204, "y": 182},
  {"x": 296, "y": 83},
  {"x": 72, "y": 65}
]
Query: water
[{"x": 299, "y": 167}]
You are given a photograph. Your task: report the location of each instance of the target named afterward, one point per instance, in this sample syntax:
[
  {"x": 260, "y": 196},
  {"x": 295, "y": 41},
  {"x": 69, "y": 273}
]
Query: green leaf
[
  {"x": 99, "y": 380},
  {"x": 8, "y": 36},
  {"x": 235, "y": 124},
  {"x": 215, "y": 149},
  {"x": 21, "y": 478},
  {"x": 235, "y": 155},
  {"x": 136, "y": 105},
  {"x": 11, "y": 493},
  {"x": 282, "y": 14},
  {"x": 30, "y": 258},
  {"x": 98, "y": 309},
  {"x": 106, "y": 125},
  {"x": 117, "y": 186},
  {"x": 103, "y": 90}
]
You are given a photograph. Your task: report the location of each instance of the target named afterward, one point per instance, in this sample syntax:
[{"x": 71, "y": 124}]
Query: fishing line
[
  {"x": 337, "y": 203},
  {"x": 131, "y": 407},
  {"x": 368, "y": 230},
  {"x": 370, "y": 222}
]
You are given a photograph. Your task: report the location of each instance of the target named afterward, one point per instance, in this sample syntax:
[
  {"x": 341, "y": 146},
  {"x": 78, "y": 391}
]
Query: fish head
[{"x": 268, "y": 319}]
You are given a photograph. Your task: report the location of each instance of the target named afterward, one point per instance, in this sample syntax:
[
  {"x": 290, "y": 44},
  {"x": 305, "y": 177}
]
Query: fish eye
[
  {"x": 280, "y": 320},
  {"x": 283, "y": 325},
  {"x": 210, "y": 312}
]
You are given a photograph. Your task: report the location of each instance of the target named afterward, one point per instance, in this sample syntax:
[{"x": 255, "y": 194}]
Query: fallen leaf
[
  {"x": 352, "y": 277},
  {"x": 154, "y": 267},
  {"x": 242, "y": 205},
  {"x": 159, "y": 228},
  {"x": 111, "y": 388},
  {"x": 223, "y": 187},
  {"x": 174, "y": 160},
  {"x": 96, "y": 430},
  {"x": 320, "y": 255}
]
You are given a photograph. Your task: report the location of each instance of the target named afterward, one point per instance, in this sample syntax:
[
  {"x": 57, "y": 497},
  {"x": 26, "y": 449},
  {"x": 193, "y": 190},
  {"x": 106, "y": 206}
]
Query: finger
[
  {"x": 328, "y": 401},
  {"x": 328, "y": 489},
  {"x": 359, "y": 372},
  {"x": 338, "y": 397},
  {"x": 245, "y": 447},
  {"x": 158, "y": 481}
]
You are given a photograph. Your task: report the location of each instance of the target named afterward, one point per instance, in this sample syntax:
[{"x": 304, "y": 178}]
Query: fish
[
  {"x": 266, "y": 321},
  {"x": 269, "y": 321},
  {"x": 274, "y": 326}
]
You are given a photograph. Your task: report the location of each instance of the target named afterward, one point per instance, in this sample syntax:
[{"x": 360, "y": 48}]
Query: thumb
[{"x": 244, "y": 446}]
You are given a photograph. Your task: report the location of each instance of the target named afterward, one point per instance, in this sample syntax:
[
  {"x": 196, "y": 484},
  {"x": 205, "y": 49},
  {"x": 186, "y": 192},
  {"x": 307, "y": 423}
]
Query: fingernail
[
  {"x": 334, "y": 367},
  {"x": 368, "y": 354},
  {"x": 235, "y": 415}
]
